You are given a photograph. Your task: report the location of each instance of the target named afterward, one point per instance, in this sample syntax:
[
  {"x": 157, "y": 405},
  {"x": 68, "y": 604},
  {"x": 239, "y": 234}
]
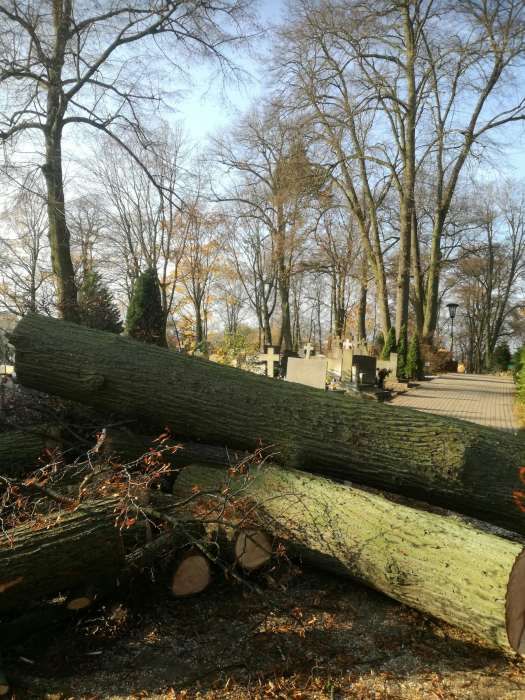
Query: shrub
[
  {"x": 439, "y": 360},
  {"x": 519, "y": 374},
  {"x": 390, "y": 344},
  {"x": 96, "y": 306},
  {"x": 145, "y": 320},
  {"x": 501, "y": 358}
]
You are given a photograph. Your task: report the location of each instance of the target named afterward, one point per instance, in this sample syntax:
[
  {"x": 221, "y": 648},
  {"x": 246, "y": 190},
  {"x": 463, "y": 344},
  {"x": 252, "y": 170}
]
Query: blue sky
[{"x": 210, "y": 108}]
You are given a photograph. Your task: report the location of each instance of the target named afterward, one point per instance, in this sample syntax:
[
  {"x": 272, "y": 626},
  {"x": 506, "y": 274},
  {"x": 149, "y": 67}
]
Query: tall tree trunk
[
  {"x": 199, "y": 327},
  {"x": 418, "y": 289},
  {"x": 59, "y": 238},
  {"x": 434, "y": 273},
  {"x": 407, "y": 189},
  {"x": 363, "y": 294},
  {"x": 286, "y": 344}
]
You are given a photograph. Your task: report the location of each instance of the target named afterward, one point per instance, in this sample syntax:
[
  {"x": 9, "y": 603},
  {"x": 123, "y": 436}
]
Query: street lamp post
[{"x": 452, "y": 308}]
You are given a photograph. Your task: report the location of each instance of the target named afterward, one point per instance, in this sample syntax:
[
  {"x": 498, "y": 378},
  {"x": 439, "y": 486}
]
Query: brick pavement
[{"x": 476, "y": 398}]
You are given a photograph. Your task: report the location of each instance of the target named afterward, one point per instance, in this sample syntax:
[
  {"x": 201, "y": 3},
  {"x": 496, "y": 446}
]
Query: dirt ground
[{"x": 315, "y": 637}]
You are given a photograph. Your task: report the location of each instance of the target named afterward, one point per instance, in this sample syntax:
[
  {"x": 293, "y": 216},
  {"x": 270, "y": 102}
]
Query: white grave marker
[
  {"x": 270, "y": 358},
  {"x": 308, "y": 350}
]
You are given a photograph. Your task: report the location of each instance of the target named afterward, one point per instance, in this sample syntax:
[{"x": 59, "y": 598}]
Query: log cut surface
[
  {"x": 448, "y": 462},
  {"x": 191, "y": 575}
]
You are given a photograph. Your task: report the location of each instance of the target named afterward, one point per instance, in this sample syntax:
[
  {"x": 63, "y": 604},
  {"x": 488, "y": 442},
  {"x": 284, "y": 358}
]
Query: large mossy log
[
  {"x": 59, "y": 553},
  {"x": 21, "y": 451},
  {"x": 452, "y": 463},
  {"x": 436, "y": 563},
  {"x": 86, "y": 550}
]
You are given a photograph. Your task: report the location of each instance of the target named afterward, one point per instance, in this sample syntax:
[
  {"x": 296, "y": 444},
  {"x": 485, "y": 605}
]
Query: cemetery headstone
[
  {"x": 308, "y": 350},
  {"x": 311, "y": 372},
  {"x": 346, "y": 365},
  {"x": 270, "y": 358},
  {"x": 365, "y": 370}
]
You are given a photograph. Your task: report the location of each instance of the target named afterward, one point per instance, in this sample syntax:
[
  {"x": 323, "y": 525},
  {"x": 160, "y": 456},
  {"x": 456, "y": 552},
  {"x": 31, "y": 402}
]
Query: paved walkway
[{"x": 476, "y": 398}]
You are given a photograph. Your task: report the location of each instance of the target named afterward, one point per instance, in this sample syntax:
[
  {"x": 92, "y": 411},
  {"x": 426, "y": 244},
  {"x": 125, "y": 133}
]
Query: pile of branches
[{"x": 74, "y": 533}]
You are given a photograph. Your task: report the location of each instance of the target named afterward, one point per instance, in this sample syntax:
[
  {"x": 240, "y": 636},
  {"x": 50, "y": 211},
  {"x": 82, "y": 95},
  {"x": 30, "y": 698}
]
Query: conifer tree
[
  {"x": 414, "y": 363},
  {"x": 402, "y": 351},
  {"x": 145, "y": 320},
  {"x": 390, "y": 344},
  {"x": 96, "y": 306}
]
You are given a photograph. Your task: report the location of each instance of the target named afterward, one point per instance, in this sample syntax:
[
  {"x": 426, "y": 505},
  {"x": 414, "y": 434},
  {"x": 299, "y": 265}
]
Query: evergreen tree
[
  {"x": 96, "y": 306},
  {"x": 145, "y": 320},
  {"x": 414, "y": 363},
  {"x": 379, "y": 343},
  {"x": 502, "y": 357},
  {"x": 402, "y": 351},
  {"x": 390, "y": 344}
]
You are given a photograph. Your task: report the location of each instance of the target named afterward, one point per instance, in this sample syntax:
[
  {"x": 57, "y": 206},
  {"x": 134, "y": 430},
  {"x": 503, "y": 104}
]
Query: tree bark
[
  {"x": 20, "y": 450},
  {"x": 433, "y": 562},
  {"x": 459, "y": 465},
  {"x": 361, "y": 309},
  {"x": 408, "y": 177},
  {"x": 59, "y": 238},
  {"x": 76, "y": 547},
  {"x": 128, "y": 447}
]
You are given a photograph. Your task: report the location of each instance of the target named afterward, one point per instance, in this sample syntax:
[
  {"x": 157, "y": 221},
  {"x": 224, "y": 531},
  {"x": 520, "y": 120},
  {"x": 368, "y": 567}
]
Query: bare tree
[
  {"x": 316, "y": 62},
  {"x": 199, "y": 267},
  {"x": 250, "y": 250},
  {"x": 489, "y": 275},
  {"x": 397, "y": 89},
  {"x": 25, "y": 274},
  {"x": 146, "y": 229},
  {"x": 274, "y": 182},
  {"x": 64, "y": 63}
]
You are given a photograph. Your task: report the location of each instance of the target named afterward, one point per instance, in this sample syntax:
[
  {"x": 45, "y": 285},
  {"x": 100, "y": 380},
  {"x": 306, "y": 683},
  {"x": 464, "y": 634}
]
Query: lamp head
[{"x": 452, "y": 308}]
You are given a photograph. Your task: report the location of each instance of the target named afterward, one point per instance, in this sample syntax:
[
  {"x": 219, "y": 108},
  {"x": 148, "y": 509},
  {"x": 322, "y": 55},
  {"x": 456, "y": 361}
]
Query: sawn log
[{"x": 436, "y": 563}]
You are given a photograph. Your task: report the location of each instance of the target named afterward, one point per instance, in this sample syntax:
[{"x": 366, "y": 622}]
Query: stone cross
[
  {"x": 347, "y": 344},
  {"x": 308, "y": 350},
  {"x": 271, "y": 359}
]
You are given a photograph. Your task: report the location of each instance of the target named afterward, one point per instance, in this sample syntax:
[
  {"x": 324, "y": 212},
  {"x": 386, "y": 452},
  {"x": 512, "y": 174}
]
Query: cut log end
[
  {"x": 4, "y": 683},
  {"x": 515, "y": 606},
  {"x": 80, "y": 602},
  {"x": 253, "y": 549},
  {"x": 192, "y": 575}
]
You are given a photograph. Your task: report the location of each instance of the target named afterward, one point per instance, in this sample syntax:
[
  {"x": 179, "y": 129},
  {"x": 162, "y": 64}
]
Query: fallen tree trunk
[
  {"x": 85, "y": 551},
  {"x": 436, "y": 563},
  {"x": 21, "y": 450},
  {"x": 449, "y": 462},
  {"x": 128, "y": 446},
  {"x": 64, "y": 553}
]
